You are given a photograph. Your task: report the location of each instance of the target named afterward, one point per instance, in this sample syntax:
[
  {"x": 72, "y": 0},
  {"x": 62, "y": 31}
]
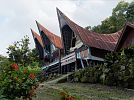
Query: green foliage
[
  {"x": 20, "y": 53},
  {"x": 130, "y": 12},
  {"x": 4, "y": 62},
  {"x": 118, "y": 70},
  {"x": 18, "y": 82},
  {"x": 89, "y": 75},
  {"x": 122, "y": 13},
  {"x": 15, "y": 81},
  {"x": 34, "y": 57},
  {"x": 78, "y": 75}
]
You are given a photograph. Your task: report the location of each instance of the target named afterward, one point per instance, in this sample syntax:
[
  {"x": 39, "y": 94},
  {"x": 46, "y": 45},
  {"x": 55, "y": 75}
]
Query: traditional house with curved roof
[
  {"x": 87, "y": 47},
  {"x": 78, "y": 47},
  {"x": 52, "y": 50}
]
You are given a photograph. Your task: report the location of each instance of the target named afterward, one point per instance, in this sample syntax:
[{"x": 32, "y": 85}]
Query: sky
[{"x": 18, "y": 16}]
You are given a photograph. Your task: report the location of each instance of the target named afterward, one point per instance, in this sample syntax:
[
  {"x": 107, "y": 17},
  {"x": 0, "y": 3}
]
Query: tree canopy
[
  {"x": 122, "y": 13},
  {"x": 20, "y": 53}
]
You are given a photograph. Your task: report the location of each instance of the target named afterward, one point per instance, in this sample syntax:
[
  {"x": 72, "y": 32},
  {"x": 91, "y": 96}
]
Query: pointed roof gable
[
  {"x": 35, "y": 35},
  {"x": 125, "y": 31},
  {"x": 56, "y": 40},
  {"x": 92, "y": 39}
]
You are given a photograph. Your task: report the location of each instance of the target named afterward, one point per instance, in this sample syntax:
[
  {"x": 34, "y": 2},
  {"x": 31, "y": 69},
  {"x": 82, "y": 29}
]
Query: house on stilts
[
  {"x": 87, "y": 47},
  {"x": 53, "y": 50},
  {"x": 78, "y": 47}
]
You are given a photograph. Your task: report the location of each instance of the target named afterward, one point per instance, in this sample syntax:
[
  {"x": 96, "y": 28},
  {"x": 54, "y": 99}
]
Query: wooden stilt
[
  {"x": 59, "y": 61},
  {"x": 81, "y": 61},
  {"x": 87, "y": 63}
]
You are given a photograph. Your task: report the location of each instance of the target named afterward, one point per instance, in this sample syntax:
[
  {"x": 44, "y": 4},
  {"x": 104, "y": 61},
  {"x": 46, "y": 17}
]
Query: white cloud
[{"x": 18, "y": 16}]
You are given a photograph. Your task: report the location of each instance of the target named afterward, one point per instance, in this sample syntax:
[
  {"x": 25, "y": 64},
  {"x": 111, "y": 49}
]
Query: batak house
[{"x": 78, "y": 47}]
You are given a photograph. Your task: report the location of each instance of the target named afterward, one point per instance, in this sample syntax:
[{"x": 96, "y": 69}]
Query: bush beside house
[{"x": 118, "y": 70}]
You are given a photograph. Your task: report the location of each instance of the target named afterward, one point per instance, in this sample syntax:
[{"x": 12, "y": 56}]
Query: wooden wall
[{"x": 129, "y": 40}]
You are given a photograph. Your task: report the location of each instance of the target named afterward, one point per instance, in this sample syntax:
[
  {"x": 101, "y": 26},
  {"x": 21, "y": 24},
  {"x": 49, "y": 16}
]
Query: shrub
[
  {"x": 18, "y": 82},
  {"x": 78, "y": 75},
  {"x": 117, "y": 70},
  {"x": 89, "y": 74}
]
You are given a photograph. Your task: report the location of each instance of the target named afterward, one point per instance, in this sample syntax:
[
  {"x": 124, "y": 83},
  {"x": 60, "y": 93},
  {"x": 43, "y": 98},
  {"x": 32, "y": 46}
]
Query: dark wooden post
[
  {"x": 76, "y": 59},
  {"x": 60, "y": 69}
]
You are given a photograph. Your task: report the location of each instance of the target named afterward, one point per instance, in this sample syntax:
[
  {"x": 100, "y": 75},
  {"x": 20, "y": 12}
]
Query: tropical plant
[
  {"x": 121, "y": 14},
  {"x": 18, "y": 82},
  {"x": 117, "y": 70},
  {"x": 130, "y": 12},
  {"x": 89, "y": 74},
  {"x": 20, "y": 53}
]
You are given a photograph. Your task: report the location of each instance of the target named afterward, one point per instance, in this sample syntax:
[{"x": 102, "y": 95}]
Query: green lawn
[{"x": 84, "y": 92}]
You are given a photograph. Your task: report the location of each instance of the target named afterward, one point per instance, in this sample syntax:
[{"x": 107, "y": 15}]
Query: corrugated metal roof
[
  {"x": 92, "y": 39},
  {"x": 56, "y": 40},
  {"x": 35, "y": 35}
]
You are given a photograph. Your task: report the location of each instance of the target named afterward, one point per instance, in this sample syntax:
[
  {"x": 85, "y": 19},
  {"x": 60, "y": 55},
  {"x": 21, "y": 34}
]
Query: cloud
[{"x": 18, "y": 16}]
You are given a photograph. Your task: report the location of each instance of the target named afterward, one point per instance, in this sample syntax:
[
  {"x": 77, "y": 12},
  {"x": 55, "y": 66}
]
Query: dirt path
[{"x": 56, "y": 80}]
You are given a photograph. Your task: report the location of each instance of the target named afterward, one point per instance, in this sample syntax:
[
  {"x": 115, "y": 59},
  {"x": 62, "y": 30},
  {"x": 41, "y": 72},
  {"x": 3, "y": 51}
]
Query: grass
[
  {"x": 96, "y": 92},
  {"x": 84, "y": 92},
  {"x": 47, "y": 93}
]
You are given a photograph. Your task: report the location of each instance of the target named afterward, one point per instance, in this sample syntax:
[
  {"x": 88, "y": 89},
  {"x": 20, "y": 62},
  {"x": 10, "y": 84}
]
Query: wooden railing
[{"x": 68, "y": 59}]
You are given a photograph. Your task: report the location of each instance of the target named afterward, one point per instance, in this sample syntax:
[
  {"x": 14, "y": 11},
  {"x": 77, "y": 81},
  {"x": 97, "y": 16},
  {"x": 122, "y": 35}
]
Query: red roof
[
  {"x": 35, "y": 35},
  {"x": 92, "y": 39},
  {"x": 56, "y": 40}
]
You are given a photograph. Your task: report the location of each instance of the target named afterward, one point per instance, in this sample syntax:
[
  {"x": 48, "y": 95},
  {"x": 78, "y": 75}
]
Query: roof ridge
[
  {"x": 37, "y": 36},
  {"x": 46, "y": 29},
  {"x": 55, "y": 39},
  {"x": 89, "y": 37}
]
